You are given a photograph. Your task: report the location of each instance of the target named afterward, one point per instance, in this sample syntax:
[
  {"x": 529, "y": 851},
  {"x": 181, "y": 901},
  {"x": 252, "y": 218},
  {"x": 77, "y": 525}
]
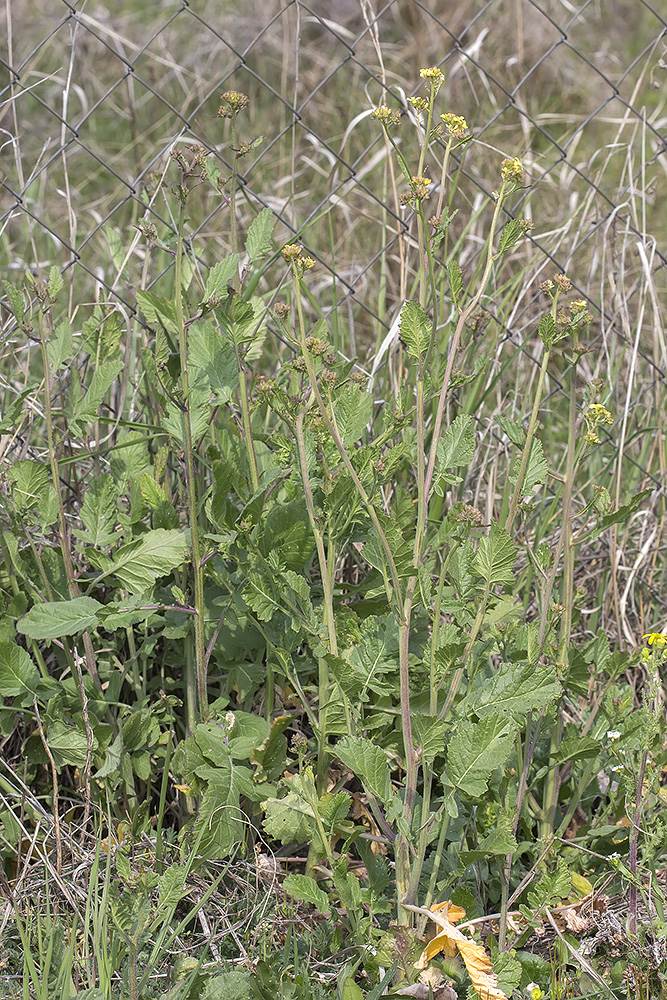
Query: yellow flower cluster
[
  {"x": 511, "y": 169},
  {"x": 455, "y": 125},
  {"x": 596, "y": 415},
  {"x": 434, "y": 75},
  {"x": 293, "y": 255}
]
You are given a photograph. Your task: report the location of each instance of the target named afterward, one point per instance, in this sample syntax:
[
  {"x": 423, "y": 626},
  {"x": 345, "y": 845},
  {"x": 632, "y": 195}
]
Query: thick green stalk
[{"x": 193, "y": 517}]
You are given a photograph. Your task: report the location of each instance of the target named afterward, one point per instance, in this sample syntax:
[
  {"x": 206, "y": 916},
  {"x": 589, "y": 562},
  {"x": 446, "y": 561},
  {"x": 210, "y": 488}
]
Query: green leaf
[
  {"x": 258, "y": 240},
  {"x": 138, "y": 564},
  {"x": 18, "y": 674},
  {"x": 54, "y": 619},
  {"x": 536, "y": 469},
  {"x": 288, "y": 534},
  {"x": 514, "y": 689},
  {"x": 347, "y": 886},
  {"x": 15, "y": 297},
  {"x": 577, "y": 748},
  {"x": 455, "y": 281},
  {"x": 623, "y": 513},
  {"x": 270, "y": 756},
  {"x": 221, "y": 823},
  {"x": 159, "y": 312},
  {"x": 351, "y": 991},
  {"x": 547, "y": 330},
  {"x": 214, "y": 356},
  {"x": 289, "y": 820},
  {"x": 98, "y": 513},
  {"x": 60, "y": 346},
  {"x": 428, "y": 732},
  {"x": 171, "y": 886},
  {"x": 55, "y": 284},
  {"x": 510, "y": 235},
  {"x": 68, "y": 744},
  {"x": 222, "y": 274},
  {"x": 260, "y": 598},
  {"x": 306, "y": 889},
  {"x": 368, "y": 762},
  {"x": 498, "y": 842},
  {"x": 476, "y": 751},
  {"x": 495, "y": 557},
  {"x": 152, "y": 493},
  {"x": 353, "y": 410},
  {"x": 513, "y": 429},
  {"x": 457, "y": 446},
  {"x": 85, "y": 411},
  {"x": 29, "y": 480},
  {"x": 415, "y": 329},
  {"x": 232, "y": 985}
]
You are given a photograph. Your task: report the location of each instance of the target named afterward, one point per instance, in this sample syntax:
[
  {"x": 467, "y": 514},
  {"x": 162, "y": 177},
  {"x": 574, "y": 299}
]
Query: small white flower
[{"x": 613, "y": 734}]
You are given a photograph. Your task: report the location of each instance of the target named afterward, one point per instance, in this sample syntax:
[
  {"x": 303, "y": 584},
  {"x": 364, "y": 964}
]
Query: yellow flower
[
  {"x": 433, "y": 74},
  {"x": 655, "y": 638},
  {"x": 511, "y": 169},
  {"x": 455, "y": 125}
]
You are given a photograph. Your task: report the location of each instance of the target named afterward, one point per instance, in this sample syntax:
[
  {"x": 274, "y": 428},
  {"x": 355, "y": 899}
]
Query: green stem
[
  {"x": 516, "y": 496},
  {"x": 567, "y": 596},
  {"x": 372, "y": 513},
  {"x": 248, "y": 440},
  {"x": 463, "y": 317},
  {"x": 323, "y": 675},
  {"x": 197, "y": 568}
]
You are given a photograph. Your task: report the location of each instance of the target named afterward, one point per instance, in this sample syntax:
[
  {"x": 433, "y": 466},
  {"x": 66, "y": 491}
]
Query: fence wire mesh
[{"x": 96, "y": 96}]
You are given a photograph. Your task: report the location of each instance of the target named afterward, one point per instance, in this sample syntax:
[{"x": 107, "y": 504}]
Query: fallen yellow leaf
[{"x": 451, "y": 940}]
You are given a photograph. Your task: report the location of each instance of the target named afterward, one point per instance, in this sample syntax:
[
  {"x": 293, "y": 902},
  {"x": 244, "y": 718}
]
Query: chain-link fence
[{"x": 95, "y": 97}]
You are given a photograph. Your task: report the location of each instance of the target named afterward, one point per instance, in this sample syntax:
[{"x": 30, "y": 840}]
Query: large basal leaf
[
  {"x": 54, "y": 619},
  {"x": 368, "y": 762},
  {"x": 514, "y": 689},
  {"x": 137, "y": 565},
  {"x": 476, "y": 751},
  {"x": 18, "y": 674},
  {"x": 495, "y": 557},
  {"x": 221, "y": 823}
]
